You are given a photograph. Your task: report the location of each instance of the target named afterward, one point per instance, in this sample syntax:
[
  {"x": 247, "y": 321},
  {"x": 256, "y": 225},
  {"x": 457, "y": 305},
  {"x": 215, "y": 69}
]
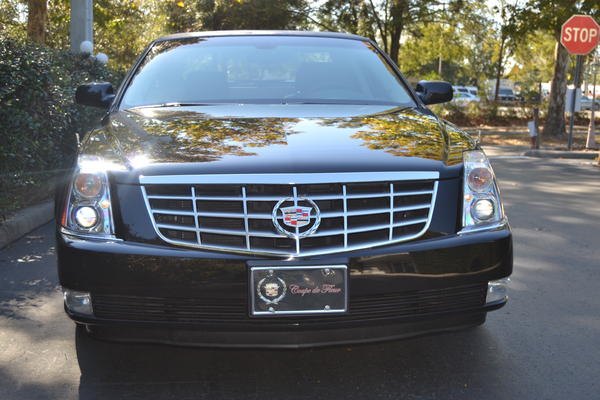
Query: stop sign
[{"x": 580, "y": 34}]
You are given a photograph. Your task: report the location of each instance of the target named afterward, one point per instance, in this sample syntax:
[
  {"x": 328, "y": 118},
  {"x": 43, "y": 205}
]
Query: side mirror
[
  {"x": 434, "y": 92},
  {"x": 95, "y": 94}
]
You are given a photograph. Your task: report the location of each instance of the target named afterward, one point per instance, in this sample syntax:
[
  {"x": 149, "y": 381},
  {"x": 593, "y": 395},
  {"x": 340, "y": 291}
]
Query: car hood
[{"x": 276, "y": 139}]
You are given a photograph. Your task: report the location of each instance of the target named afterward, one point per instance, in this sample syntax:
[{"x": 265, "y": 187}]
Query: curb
[
  {"x": 24, "y": 221},
  {"x": 586, "y": 155}
]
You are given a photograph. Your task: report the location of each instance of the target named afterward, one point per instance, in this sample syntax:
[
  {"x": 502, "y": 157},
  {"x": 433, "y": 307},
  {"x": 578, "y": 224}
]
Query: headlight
[
  {"x": 482, "y": 206},
  {"x": 88, "y": 208},
  {"x": 86, "y": 217}
]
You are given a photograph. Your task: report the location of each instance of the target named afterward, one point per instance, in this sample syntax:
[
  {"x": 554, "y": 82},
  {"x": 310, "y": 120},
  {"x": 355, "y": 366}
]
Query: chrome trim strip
[
  {"x": 315, "y": 198},
  {"x": 295, "y": 194},
  {"x": 89, "y": 236},
  {"x": 489, "y": 227},
  {"x": 198, "y": 237},
  {"x": 370, "y": 228},
  {"x": 345, "y": 194},
  {"x": 291, "y": 178},
  {"x": 172, "y": 212},
  {"x": 162, "y": 197},
  {"x": 369, "y": 211},
  {"x": 177, "y": 227},
  {"x": 245, "y": 207},
  {"x": 391, "y": 211},
  {"x": 335, "y": 232}
]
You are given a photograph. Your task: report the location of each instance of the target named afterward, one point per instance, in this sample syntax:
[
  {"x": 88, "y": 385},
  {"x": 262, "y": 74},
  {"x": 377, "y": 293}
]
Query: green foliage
[
  {"x": 38, "y": 118},
  {"x": 11, "y": 21},
  {"x": 122, "y": 28},
  {"x": 482, "y": 113},
  {"x": 188, "y": 15},
  {"x": 535, "y": 60}
]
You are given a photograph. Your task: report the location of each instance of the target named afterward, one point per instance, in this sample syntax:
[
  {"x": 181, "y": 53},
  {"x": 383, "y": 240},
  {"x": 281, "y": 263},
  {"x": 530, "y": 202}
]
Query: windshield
[
  {"x": 264, "y": 70},
  {"x": 506, "y": 91}
]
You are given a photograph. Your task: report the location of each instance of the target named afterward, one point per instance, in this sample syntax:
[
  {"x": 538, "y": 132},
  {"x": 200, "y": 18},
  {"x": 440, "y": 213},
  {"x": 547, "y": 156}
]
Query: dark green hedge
[{"x": 38, "y": 118}]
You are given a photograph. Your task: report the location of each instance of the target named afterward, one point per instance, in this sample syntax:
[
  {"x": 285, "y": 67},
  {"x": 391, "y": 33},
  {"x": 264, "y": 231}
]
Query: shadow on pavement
[{"x": 457, "y": 364}]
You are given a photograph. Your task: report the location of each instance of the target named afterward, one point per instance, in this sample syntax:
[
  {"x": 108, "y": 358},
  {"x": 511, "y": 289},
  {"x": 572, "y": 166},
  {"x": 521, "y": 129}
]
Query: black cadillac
[{"x": 277, "y": 189}]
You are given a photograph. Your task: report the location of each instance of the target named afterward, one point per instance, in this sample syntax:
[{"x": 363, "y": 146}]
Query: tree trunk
[
  {"x": 397, "y": 16},
  {"x": 395, "y": 45},
  {"x": 37, "y": 15},
  {"x": 555, "y": 120}
]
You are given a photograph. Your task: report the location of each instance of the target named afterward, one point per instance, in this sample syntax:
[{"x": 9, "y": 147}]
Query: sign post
[
  {"x": 579, "y": 35},
  {"x": 591, "y": 139}
]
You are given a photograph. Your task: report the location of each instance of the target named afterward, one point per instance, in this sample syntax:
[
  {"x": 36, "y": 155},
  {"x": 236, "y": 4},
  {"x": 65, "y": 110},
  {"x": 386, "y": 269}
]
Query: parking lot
[{"x": 543, "y": 344}]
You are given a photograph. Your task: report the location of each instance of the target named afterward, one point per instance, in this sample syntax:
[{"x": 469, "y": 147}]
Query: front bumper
[
  {"x": 287, "y": 339},
  {"x": 154, "y": 293}
]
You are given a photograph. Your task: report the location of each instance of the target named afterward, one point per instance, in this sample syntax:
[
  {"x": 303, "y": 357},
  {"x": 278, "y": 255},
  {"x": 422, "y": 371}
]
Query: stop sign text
[{"x": 580, "y": 34}]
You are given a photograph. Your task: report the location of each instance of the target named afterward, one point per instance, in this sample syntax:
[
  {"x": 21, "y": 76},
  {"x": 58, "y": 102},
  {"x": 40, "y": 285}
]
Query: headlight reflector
[
  {"x": 86, "y": 217},
  {"x": 480, "y": 179},
  {"x": 88, "y": 185}
]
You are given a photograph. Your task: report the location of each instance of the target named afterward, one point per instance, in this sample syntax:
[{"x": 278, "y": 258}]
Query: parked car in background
[
  {"x": 586, "y": 103},
  {"x": 277, "y": 189},
  {"x": 462, "y": 95},
  {"x": 473, "y": 90},
  {"x": 506, "y": 94}
]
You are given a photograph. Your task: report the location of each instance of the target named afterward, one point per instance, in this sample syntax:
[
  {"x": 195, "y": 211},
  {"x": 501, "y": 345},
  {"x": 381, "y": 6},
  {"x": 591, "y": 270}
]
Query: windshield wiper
[
  {"x": 344, "y": 102},
  {"x": 174, "y": 104}
]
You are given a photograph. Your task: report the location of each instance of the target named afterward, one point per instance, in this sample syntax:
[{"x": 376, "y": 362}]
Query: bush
[{"x": 38, "y": 118}]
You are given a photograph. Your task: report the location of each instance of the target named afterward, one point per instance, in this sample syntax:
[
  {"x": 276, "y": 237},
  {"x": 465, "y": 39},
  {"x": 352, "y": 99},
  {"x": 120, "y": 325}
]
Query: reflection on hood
[{"x": 287, "y": 134}]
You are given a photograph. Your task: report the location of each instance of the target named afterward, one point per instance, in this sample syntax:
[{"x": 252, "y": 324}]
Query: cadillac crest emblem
[
  {"x": 299, "y": 212},
  {"x": 271, "y": 289},
  {"x": 296, "y": 216}
]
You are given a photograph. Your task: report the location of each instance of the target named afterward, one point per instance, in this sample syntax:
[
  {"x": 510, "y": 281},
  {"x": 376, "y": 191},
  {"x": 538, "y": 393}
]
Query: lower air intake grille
[
  {"x": 314, "y": 214},
  {"x": 235, "y": 311}
]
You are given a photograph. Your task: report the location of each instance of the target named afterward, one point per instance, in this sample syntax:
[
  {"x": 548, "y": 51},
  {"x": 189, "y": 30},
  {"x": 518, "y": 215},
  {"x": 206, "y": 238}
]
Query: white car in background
[
  {"x": 473, "y": 90},
  {"x": 463, "y": 95}
]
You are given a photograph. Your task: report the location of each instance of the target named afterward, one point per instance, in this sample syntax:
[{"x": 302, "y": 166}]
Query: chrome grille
[{"x": 236, "y": 212}]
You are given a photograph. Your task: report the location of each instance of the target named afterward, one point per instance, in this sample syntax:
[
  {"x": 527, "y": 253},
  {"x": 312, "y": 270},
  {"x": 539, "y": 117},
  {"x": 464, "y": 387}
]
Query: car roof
[{"x": 336, "y": 35}]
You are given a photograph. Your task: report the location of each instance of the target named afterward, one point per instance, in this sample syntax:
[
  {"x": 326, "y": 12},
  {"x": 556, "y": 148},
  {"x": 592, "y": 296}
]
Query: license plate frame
[{"x": 298, "y": 290}]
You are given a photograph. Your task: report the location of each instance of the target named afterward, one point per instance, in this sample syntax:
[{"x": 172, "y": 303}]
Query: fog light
[
  {"x": 78, "y": 302},
  {"x": 482, "y": 209},
  {"x": 497, "y": 291},
  {"x": 86, "y": 217}
]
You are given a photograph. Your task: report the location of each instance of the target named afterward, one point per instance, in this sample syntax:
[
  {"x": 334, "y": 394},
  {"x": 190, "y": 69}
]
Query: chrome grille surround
[{"x": 192, "y": 233}]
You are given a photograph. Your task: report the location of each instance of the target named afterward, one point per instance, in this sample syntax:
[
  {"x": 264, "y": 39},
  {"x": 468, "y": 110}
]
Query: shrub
[{"x": 38, "y": 118}]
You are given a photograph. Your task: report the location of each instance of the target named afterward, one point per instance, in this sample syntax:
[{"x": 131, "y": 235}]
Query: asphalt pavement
[{"x": 543, "y": 345}]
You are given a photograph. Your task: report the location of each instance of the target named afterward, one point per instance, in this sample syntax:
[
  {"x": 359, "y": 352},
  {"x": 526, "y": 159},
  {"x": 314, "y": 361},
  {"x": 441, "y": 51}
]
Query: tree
[
  {"x": 509, "y": 35},
  {"x": 194, "y": 15},
  {"x": 37, "y": 15},
  {"x": 534, "y": 61},
  {"x": 122, "y": 28},
  {"x": 549, "y": 15},
  {"x": 421, "y": 54},
  {"x": 383, "y": 21}
]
